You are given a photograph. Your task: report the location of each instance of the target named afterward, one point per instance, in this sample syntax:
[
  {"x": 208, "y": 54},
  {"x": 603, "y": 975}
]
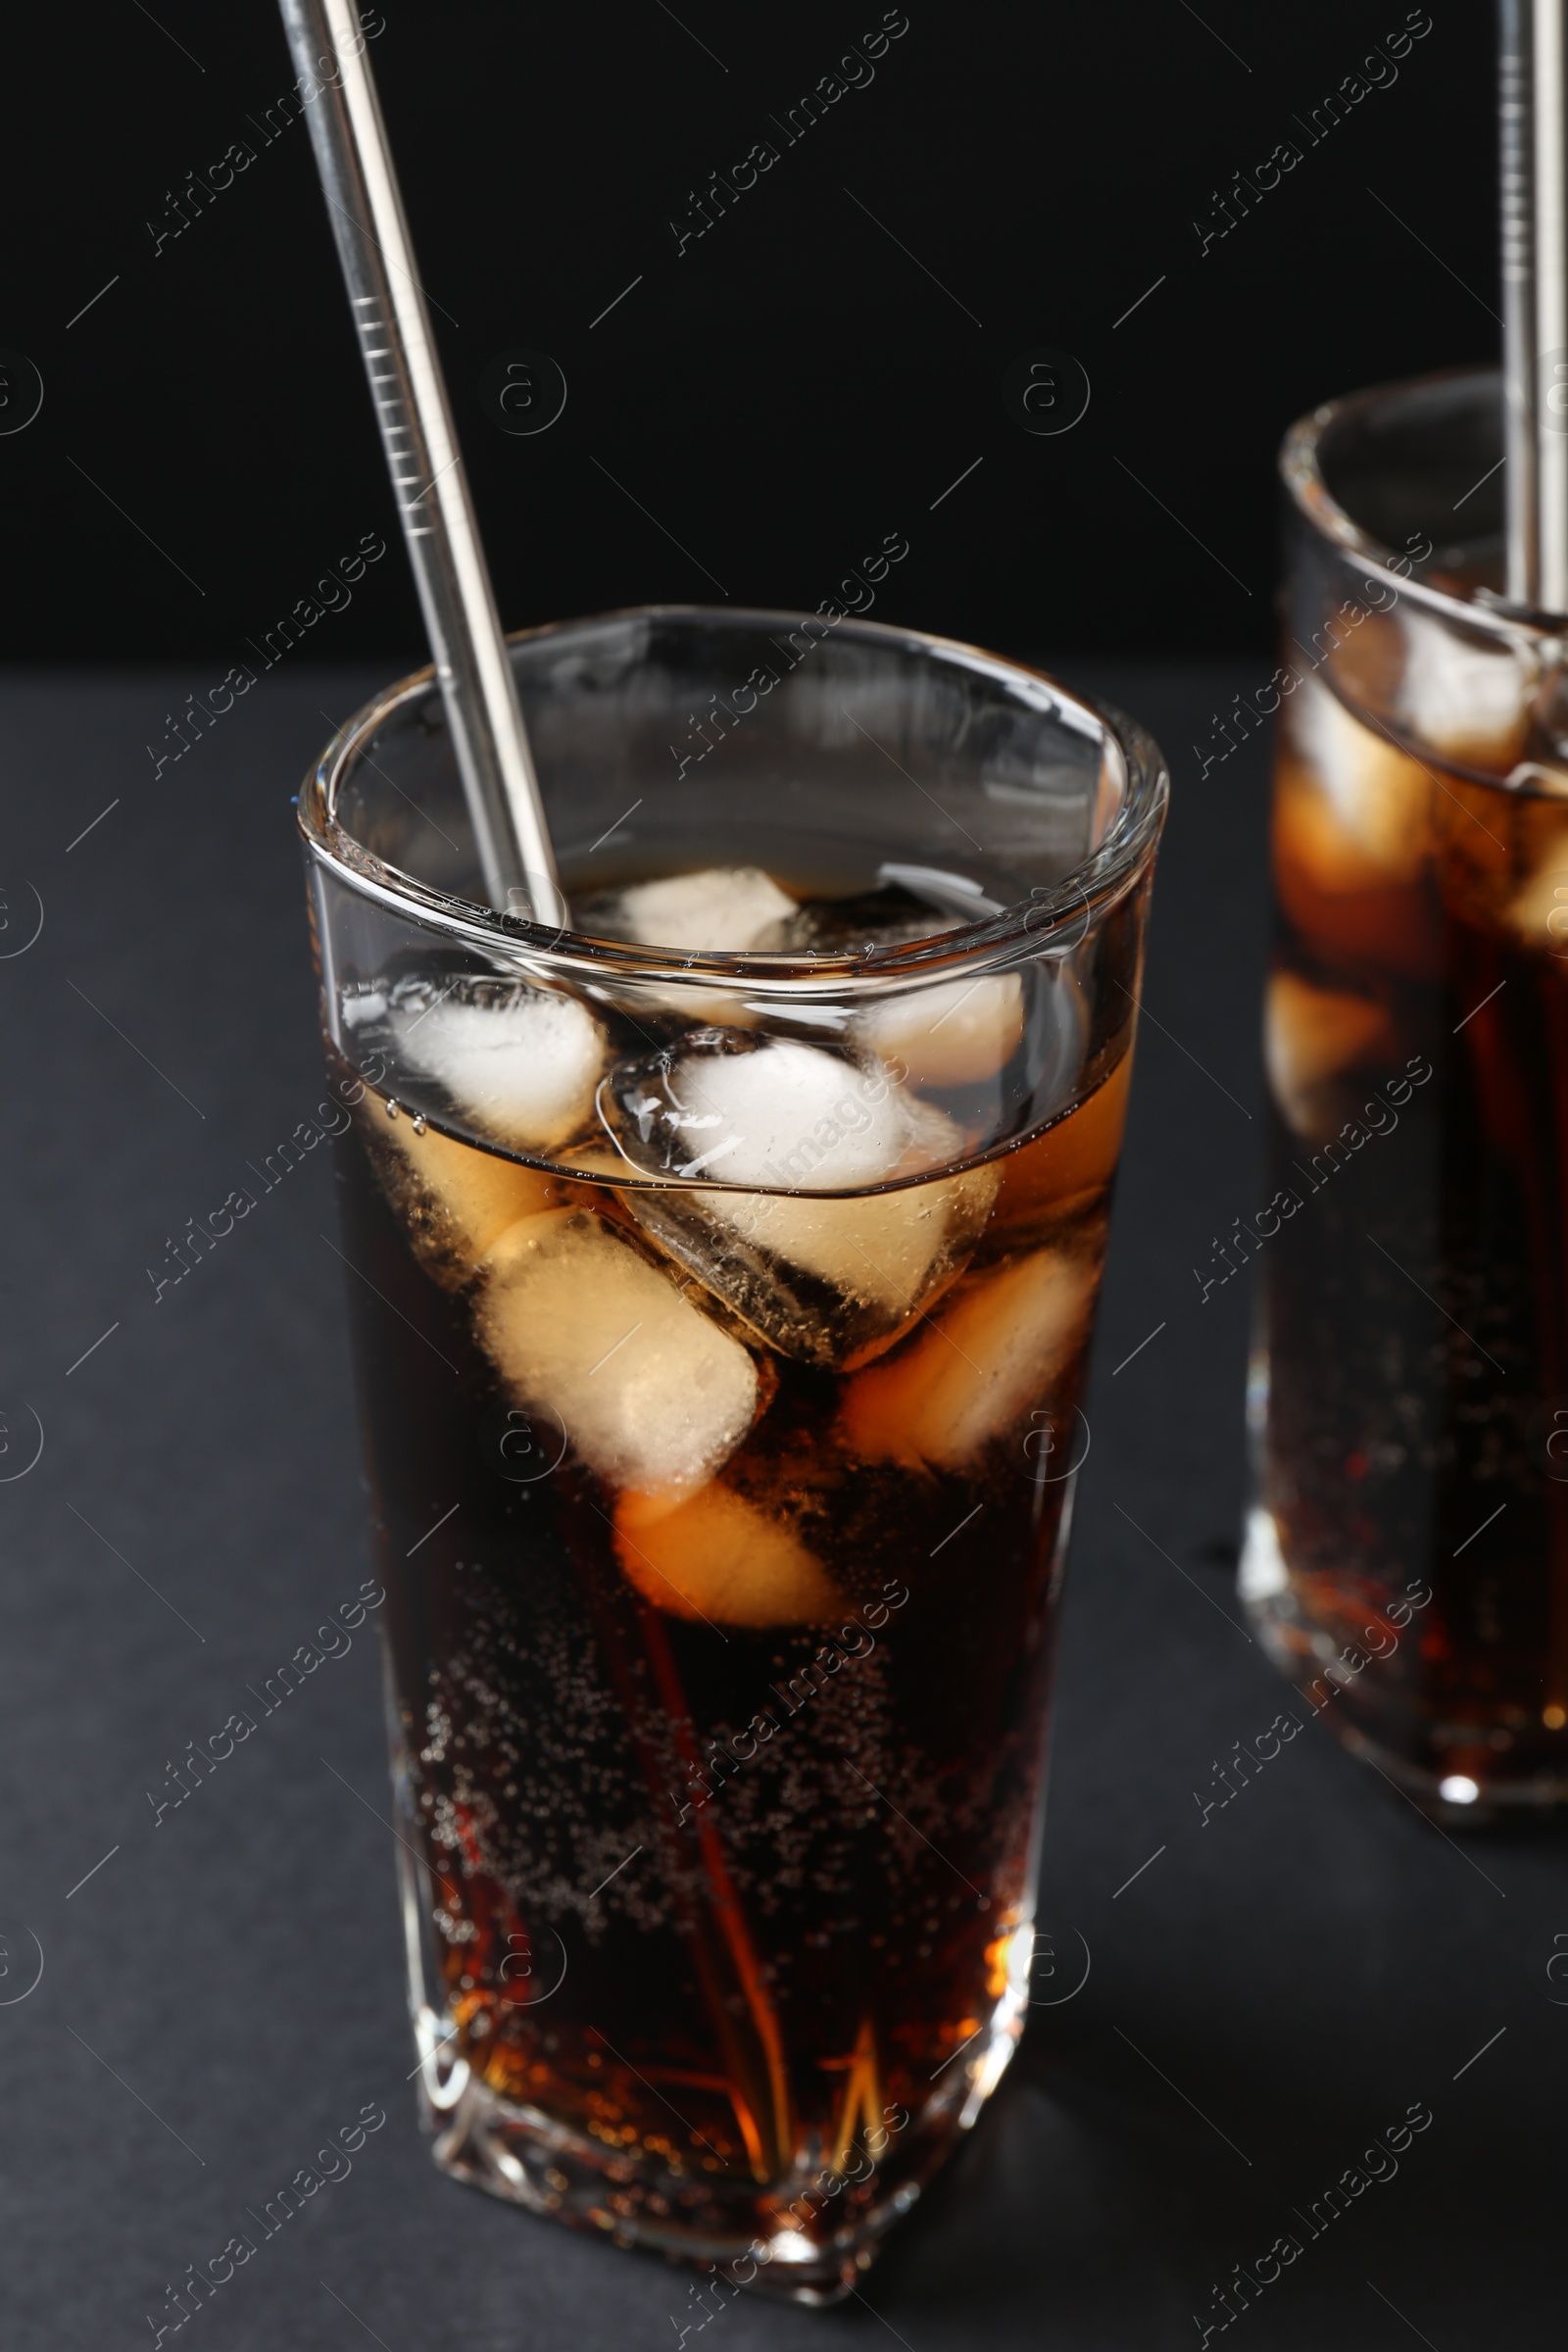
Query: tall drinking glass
[
  {"x": 722, "y": 1274},
  {"x": 1408, "y": 1558}
]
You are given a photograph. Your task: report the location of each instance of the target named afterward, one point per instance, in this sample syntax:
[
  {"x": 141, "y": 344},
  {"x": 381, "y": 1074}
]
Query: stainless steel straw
[
  {"x": 1533, "y": 58},
  {"x": 354, "y": 163}
]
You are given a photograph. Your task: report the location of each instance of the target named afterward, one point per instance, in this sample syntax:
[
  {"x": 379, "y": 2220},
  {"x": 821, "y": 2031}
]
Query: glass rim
[
  {"x": 1301, "y": 468},
  {"x": 1039, "y": 926}
]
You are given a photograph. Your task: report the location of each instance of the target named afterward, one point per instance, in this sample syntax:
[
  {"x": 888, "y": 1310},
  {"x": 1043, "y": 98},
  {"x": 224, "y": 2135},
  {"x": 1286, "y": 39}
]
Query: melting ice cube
[
  {"x": 1310, "y": 1036},
  {"x": 720, "y": 1103},
  {"x": 714, "y": 1555},
  {"x": 999, "y": 1345},
  {"x": 1468, "y": 697},
  {"x": 520, "y": 1062},
  {"x": 722, "y": 910},
  {"x": 653, "y": 1395},
  {"x": 1379, "y": 802},
  {"x": 827, "y": 1281},
  {"x": 728, "y": 909},
  {"x": 953, "y": 1033}
]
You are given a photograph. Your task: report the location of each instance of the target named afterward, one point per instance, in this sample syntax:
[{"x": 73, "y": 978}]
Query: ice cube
[
  {"x": 953, "y": 1033},
  {"x": 1355, "y": 841},
  {"x": 713, "y": 1555},
  {"x": 1002, "y": 1341},
  {"x": 1467, "y": 696},
  {"x": 452, "y": 1199},
  {"x": 519, "y": 1062},
  {"x": 1310, "y": 1036},
  {"x": 652, "y": 1394},
  {"x": 723, "y": 908},
  {"x": 827, "y": 1282},
  {"x": 723, "y": 1105},
  {"x": 1380, "y": 801},
  {"x": 1348, "y": 908}
]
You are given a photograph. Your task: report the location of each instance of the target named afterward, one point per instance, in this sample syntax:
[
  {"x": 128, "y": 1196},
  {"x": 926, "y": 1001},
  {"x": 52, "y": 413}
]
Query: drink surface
[
  {"x": 722, "y": 1528},
  {"x": 1415, "y": 1275}
]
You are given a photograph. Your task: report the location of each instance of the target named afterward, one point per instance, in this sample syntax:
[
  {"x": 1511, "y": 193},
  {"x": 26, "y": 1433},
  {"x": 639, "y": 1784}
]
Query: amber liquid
[
  {"x": 1416, "y": 1302},
  {"x": 720, "y": 1902}
]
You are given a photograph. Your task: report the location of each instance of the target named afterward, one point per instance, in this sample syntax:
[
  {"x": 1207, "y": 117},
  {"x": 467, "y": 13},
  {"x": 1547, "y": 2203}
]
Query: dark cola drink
[
  {"x": 722, "y": 1531},
  {"x": 723, "y": 1272},
  {"x": 1408, "y": 1560}
]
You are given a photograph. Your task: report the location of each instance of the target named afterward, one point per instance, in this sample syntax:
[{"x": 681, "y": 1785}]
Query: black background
[{"x": 790, "y": 388}]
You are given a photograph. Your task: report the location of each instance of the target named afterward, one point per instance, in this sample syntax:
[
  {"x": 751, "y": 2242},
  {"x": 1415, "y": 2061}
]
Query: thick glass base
[
  {"x": 1451, "y": 1770},
  {"x": 804, "y": 2240}
]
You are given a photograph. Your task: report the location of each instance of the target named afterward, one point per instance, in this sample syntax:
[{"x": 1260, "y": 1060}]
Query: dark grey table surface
[{"x": 220, "y": 1987}]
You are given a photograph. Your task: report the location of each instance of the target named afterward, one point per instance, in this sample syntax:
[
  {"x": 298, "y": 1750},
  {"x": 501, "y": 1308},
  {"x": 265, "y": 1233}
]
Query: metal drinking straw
[
  {"x": 1533, "y": 59},
  {"x": 417, "y": 435}
]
